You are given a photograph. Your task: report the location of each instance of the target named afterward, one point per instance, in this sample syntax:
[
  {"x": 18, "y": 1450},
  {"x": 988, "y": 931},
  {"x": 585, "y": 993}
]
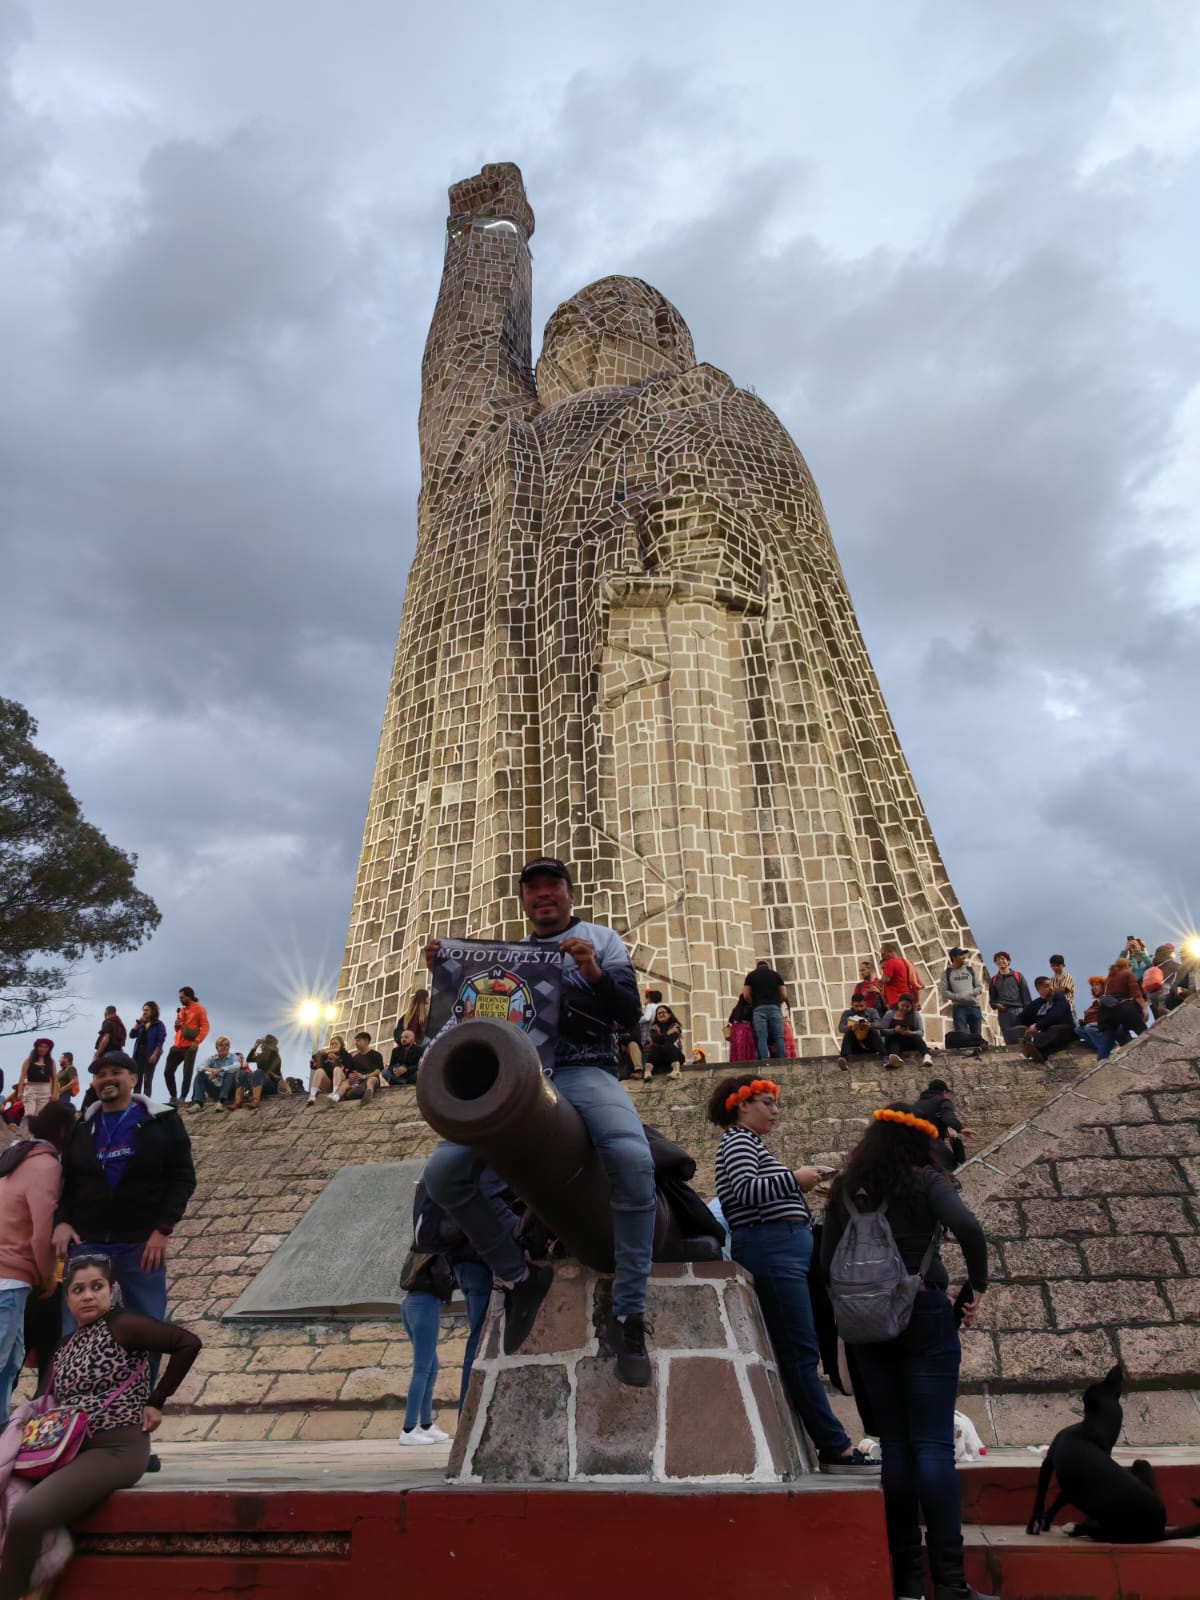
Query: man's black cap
[
  {"x": 116, "y": 1058},
  {"x": 938, "y": 1086},
  {"x": 550, "y": 865}
]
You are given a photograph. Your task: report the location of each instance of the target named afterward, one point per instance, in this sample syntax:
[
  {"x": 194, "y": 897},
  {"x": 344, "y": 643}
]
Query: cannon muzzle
[{"x": 481, "y": 1085}]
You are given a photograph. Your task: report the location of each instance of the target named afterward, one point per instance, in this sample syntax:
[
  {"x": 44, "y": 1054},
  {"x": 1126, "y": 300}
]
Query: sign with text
[{"x": 514, "y": 983}]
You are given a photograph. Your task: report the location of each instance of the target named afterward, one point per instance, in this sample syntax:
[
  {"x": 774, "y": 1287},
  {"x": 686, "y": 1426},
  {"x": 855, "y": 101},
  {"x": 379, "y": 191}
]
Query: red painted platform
[{"x": 819, "y": 1540}]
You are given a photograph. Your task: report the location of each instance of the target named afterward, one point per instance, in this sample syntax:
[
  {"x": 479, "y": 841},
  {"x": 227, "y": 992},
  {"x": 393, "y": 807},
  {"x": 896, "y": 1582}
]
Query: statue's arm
[{"x": 477, "y": 368}]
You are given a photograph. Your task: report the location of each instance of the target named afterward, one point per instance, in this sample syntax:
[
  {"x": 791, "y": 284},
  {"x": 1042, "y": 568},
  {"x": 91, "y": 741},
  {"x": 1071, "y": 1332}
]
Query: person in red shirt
[
  {"x": 868, "y": 987},
  {"x": 893, "y": 974}
]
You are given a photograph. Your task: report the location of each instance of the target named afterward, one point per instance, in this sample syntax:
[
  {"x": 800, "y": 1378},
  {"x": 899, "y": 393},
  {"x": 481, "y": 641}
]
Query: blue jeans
[
  {"x": 12, "y": 1344},
  {"x": 144, "y": 1292},
  {"x": 475, "y": 1281},
  {"x": 779, "y": 1255},
  {"x": 1093, "y": 1034},
  {"x": 422, "y": 1318},
  {"x": 908, "y": 1389},
  {"x": 206, "y": 1088},
  {"x": 462, "y": 1185},
  {"x": 968, "y": 1019},
  {"x": 767, "y": 1022}
]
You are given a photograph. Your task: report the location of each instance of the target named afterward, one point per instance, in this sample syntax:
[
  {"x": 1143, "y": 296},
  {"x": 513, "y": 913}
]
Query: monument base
[{"x": 555, "y": 1412}]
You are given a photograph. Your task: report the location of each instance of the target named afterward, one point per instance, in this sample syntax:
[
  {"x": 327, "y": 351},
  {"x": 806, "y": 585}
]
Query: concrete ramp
[{"x": 344, "y": 1256}]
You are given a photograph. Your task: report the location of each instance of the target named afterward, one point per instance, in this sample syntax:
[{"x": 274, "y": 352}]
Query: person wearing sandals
[
  {"x": 770, "y": 1234},
  {"x": 906, "y": 1387},
  {"x": 103, "y": 1370}
]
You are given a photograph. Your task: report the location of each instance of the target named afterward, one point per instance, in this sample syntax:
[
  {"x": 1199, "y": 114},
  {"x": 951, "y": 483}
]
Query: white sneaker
[
  {"x": 410, "y": 1436},
  {"x": 927, "y": 1059},
  {"x": 435, "y": 1434},
  {"x": 334, "y": 1098},
  {"x": 311, "y": 1101}
]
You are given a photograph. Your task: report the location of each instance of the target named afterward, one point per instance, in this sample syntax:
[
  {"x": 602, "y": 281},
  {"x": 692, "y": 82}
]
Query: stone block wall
[{"x": 556, "y": 1413}]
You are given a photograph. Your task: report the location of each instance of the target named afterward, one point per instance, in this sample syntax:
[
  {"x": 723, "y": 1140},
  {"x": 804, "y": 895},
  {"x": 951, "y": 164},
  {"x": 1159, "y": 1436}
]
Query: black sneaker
[
  {"x": 521, "y": 1305},
  {"x": 629, "y": 1342},
  {"x": 854, "y": 1464},
  {"x": 153, "y": 1464}
]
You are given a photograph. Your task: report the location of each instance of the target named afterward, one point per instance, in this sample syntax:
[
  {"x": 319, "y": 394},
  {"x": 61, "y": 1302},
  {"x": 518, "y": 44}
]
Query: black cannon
[{"x": 481, "y": 1085}]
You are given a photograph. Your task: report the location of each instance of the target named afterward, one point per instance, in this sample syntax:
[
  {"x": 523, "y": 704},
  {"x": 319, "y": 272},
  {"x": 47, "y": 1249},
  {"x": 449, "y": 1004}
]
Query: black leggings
[
  {"x": 663, "y": 1057},
  {"x": 114, "y": 1458},
  {"x": 176, "y": 1054}
]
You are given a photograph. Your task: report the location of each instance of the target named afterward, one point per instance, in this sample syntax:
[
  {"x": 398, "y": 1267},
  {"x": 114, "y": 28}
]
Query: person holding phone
[
  {"x": 191, "y": 1030},
  {"x": 770, "y": 1228}
]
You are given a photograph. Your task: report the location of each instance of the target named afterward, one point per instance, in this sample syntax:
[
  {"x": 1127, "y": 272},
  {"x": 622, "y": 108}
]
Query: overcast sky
[{"x": 954, "y": 245}]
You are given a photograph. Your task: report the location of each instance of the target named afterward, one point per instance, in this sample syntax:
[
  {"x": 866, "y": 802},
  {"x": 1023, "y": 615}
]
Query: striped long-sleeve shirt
[{"x": 753, "y": 1186}]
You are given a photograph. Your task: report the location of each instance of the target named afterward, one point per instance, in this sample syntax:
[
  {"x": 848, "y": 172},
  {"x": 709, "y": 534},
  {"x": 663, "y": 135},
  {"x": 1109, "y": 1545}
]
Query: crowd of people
[
  {"x": 883, "y": 1021},
  {"x": 89, "y": 1202}
]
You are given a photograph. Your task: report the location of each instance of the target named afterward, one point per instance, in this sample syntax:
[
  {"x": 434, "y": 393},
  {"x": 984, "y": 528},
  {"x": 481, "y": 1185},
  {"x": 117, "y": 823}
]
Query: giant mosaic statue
[{"x": 627, "y": 642}]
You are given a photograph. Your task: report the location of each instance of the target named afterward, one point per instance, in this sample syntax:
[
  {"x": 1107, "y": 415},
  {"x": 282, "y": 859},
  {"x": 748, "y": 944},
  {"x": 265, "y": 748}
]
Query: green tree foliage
[{"x": 65, "y": 892}]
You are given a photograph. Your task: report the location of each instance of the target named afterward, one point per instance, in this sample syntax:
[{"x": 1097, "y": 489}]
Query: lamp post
[{"x": 312, "y": 1013}]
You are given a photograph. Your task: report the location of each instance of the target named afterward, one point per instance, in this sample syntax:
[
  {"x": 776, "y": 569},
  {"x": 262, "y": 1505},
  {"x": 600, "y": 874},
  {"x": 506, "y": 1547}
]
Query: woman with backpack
[
  {"x": 770, "y": 1234},
  {"x": 907, "y": 1384}
]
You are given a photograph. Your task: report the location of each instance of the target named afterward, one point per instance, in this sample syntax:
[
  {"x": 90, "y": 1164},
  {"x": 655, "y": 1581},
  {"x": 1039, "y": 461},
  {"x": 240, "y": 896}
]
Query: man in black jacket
[{"x": 127, "y": 1179}]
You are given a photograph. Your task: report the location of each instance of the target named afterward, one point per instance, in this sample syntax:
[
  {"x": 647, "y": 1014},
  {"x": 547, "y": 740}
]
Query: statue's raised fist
[{"x": 497, "y": 191}]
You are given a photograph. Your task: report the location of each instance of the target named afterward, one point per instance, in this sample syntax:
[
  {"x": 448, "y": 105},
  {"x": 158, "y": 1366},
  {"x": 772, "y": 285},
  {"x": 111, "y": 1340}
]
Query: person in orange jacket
[{"x": 191, "y": 1030}]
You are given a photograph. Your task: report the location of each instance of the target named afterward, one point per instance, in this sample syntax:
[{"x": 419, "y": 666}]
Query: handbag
[
  {"x": 427, "y": 1272},
  {"x": 54, "y": 1438}
]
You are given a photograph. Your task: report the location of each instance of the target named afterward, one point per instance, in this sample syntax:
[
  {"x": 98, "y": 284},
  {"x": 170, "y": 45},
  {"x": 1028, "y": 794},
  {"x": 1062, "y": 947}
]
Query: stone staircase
[{"x": 824, "y": 1107}]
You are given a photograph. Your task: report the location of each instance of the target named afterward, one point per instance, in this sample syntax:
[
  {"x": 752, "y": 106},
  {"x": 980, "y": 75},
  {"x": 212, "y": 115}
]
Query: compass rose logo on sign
[{"x": 497, "y": 995}]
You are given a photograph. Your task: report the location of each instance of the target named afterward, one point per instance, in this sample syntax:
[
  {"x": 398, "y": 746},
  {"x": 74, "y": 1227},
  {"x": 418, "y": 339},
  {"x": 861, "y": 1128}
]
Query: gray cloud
[{"x": 219, "y": 261}]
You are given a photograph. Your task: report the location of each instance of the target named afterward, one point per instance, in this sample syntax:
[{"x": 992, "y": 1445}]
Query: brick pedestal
[{"x": 555, "y": 1412}]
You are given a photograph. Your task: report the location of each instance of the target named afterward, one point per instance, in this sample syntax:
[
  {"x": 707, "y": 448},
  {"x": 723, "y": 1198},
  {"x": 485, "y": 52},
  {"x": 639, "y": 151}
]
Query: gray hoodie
[{"x": 960, "y": 986}]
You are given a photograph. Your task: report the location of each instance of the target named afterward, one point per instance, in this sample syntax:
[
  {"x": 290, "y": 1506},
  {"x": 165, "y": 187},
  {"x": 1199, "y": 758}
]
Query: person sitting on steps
[
  {"x": 904, "y": 1032},
  {"x": 666, "y": 1050}
]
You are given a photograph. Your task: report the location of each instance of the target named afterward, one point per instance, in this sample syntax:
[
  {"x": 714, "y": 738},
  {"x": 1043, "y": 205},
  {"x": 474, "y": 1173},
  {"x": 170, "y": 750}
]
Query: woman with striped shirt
[{"x": 770, "y": 1227}]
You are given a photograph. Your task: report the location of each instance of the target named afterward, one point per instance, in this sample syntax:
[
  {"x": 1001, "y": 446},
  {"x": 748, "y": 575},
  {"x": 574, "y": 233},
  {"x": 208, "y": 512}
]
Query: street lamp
[{"x": 312, "y": 1013}]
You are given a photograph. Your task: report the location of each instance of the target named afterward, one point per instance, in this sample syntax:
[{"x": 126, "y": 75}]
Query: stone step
[{"x": 1009, "y": 1563}]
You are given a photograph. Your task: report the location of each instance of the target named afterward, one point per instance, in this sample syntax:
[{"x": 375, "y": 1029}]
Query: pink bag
[
  {"x": 55, "y": 1437},
  {"x": 49, "y": 1442}
]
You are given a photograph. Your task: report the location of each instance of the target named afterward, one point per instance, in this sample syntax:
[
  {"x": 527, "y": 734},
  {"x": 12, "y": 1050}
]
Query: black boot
[
  {"x": 908, "y": 1582},
  {"x": 949, "y": 1575},
  {"x": 953, "y": 1585},
  {"x": 522, "y": 1303},
  {"x": 633, "y": 1360},
  {"x": 908, "y": 1569}
]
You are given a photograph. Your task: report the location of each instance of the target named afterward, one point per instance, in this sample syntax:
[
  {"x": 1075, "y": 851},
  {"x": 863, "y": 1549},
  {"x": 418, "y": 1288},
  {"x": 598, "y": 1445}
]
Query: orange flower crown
[
  {"x": 748, "y": 1092},
  {"x": 907, "y": 1120}
]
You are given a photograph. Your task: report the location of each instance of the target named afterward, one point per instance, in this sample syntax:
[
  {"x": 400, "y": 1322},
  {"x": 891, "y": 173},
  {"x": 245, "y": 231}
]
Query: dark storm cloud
[
  {"x": 213, "y": 318},
  {"x": 231, "y": 253}
]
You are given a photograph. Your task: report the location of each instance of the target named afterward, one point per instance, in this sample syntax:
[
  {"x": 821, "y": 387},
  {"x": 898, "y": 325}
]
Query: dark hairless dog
[{"x": 1120, "y": 1505}]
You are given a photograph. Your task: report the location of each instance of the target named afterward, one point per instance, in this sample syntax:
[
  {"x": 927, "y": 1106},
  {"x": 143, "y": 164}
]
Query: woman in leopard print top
[{"x": 107, "y": 1351}]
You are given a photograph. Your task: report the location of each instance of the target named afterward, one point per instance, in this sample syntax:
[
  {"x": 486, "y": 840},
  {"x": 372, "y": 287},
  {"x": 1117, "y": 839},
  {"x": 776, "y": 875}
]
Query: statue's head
[{"x": 614, "y": 332}]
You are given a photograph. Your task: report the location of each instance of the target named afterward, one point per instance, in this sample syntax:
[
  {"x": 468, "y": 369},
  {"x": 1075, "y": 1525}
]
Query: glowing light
[
  {"x": 309, "y": 1012},
  {"x": 1191, "y": 949},
  {"x": 330, "y": 1013}
]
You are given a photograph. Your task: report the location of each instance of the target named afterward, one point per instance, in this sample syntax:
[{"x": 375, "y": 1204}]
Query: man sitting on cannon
[{"x": 599, "y": 996}]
